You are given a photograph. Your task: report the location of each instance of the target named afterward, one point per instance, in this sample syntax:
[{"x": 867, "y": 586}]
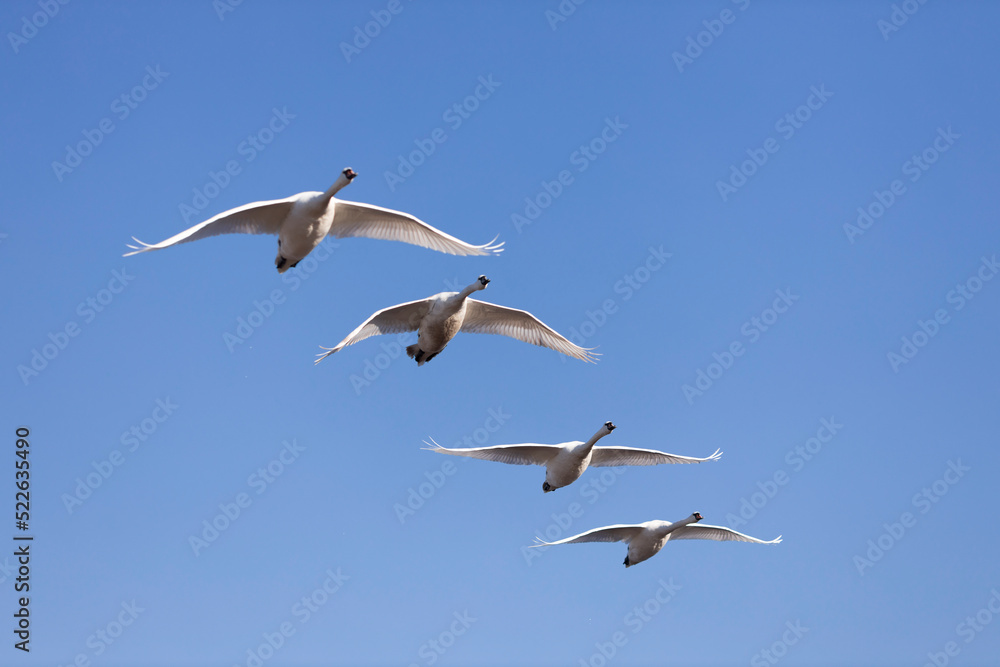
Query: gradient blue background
[{"x": 461, "y": 552}]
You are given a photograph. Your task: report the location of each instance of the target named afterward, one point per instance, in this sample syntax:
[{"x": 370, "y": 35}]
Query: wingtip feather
[
  {"x": 137, "y": 249},
  {"x": 323, "y": 355},
  {"x": 432, "y": 446}
]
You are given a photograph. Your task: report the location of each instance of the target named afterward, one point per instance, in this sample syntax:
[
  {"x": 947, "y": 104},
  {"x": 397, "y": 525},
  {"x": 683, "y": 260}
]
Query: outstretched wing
[
  {"x": 489, "y": 318},
  {"x": 374, "y": 222},
  {"x": 395, "y": 319},
  {"x": 522, "y": 455},
  {"x": 261, "y": 217},
  {"x": 618, "y": 533},
  {"x": 631, "y": 456},
  {"x": 697, "y": 531}
]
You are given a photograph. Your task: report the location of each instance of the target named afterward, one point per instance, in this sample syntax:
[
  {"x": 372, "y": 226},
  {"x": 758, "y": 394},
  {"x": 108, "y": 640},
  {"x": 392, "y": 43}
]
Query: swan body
[
  {"x": 646, "y": 539},
  {"x": 565, "y": 463},
  {"x": 439, "y": 318},
  {"x": 302, "y": 221}
]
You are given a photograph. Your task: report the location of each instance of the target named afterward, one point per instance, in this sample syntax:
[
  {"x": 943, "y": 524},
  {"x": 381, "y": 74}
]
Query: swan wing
[
  {"x": 717, "y": 533},
  {"x": 261, "y": 217},
  {"x": 618, "y": 533},
  {"x": 632, "y": 456},
  {"x": 489, "y": 318},
  {"x": 374, "y": 222},
  {"x": 395, "y": 319},
  {"x": 523, "y": 455}
]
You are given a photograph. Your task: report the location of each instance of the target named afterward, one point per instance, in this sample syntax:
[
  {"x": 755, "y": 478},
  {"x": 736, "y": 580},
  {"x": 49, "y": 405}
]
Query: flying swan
[
  {"x": 438, "y": 318},
  {"x": 565, "y": 463},
  {"x": 302, "y": 221},
  {"x": 646, "y": 539}
]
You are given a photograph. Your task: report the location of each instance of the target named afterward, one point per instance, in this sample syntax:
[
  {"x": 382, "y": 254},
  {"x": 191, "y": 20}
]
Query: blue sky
[{"x": 690, "y": 210}]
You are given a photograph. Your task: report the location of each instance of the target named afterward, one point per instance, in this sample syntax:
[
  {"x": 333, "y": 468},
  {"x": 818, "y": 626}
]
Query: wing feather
[
  {"x": 622, "y": 532},
  {"x": 357, "y": 219},
  {"x": 524, "y": 454},
  {"x": 261, "y": 217},
  {"x": 699, "y": 531},
  {"x": 395, "y": 319},
  {"x": 489, "y": 318},
  {"x": 632, "y": 456}
]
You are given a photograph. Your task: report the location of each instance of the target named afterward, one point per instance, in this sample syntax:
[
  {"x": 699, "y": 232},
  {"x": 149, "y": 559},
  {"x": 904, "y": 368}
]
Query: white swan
[
  {"x": 302, "y": 221},
  {"x": 438, "y": 318},
  {"x": 566, "y": 462},
  {"x": 646, "y": 539}
]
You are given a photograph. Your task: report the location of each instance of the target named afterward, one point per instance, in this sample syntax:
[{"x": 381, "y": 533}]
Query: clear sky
[{"x": 776, "y": 221}]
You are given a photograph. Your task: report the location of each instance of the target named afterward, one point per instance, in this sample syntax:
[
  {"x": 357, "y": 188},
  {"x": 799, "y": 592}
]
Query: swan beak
[
  {"x": 350, "y": 174},
  {"x": 697, "y": 516},
  {"x": 484, "y": 281},
  {"x": 610, "y": 426}
]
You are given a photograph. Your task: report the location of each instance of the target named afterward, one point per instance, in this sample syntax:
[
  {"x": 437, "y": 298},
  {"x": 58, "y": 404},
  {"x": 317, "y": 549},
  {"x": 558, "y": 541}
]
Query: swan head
[
  {"x": 696, "y": 517},
  {"x": 546, "y": 487},
  {"x": 484, "y": 281},
  {"x": 611, "y": 427},
  {"x": 345, "y": 178}
]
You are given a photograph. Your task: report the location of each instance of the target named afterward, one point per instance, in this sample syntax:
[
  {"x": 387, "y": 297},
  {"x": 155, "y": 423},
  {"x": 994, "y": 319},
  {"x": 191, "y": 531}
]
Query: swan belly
[
  {"x": 433, "y": 339},
  {"x": 440, "y": 325},
  {"x": 564, "y": 470},
  {"x": 644, "y": 547},
  {"x": 300, "y": 234}
]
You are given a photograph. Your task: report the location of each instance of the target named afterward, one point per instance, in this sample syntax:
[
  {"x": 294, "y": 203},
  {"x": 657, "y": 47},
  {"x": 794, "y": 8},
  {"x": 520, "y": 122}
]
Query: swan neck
[
  {"x": 337, "y": 186},
  {"x": 589, "y": 445},
  {"x": 465, "y": 293}
]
